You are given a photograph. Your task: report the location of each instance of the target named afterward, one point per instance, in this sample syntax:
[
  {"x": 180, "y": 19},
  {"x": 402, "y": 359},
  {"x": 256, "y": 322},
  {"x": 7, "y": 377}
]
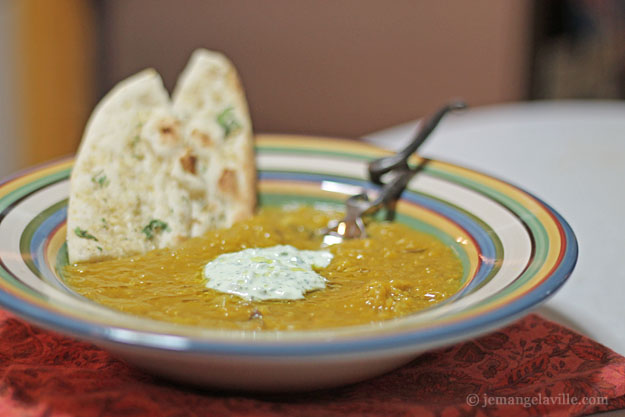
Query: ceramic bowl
[{"x": 516, "y": 251}]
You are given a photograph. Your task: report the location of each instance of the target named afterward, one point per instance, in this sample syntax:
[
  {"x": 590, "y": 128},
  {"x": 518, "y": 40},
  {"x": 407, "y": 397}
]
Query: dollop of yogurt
[{"x": 279, "y": 272}]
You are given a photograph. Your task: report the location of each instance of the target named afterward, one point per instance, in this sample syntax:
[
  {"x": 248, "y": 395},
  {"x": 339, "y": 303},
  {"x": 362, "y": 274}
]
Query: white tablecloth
[{"x": 571, "y": 155}]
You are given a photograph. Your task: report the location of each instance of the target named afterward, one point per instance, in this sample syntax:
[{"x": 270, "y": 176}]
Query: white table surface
[{"x": 571, "y": 155}]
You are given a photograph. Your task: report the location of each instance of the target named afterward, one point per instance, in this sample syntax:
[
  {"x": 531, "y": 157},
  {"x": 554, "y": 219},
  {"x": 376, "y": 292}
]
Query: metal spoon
[{"x": 352, "y": 225}]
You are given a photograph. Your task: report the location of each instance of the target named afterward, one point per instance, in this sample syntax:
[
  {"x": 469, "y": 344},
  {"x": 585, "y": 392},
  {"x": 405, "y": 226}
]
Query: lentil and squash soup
[{"x": 394, "y": 272}]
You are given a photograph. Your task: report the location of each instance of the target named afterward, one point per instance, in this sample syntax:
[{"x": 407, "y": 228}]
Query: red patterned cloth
[{"x": 531, "y": 368}]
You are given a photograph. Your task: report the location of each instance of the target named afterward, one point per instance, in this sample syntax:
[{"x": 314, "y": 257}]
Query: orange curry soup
[{"x": 394, "y": 272}]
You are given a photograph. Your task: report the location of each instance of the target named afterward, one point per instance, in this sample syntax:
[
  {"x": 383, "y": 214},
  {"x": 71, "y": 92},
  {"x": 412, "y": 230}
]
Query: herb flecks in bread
[{"x": 152, "y": 172}]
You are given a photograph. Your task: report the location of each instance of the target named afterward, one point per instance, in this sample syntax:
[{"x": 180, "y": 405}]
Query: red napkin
[{"x": 533, "y": 367}]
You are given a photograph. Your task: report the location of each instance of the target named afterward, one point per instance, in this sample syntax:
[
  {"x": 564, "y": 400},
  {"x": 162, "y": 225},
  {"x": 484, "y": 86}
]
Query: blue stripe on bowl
[{"x": 38, "y": 246}]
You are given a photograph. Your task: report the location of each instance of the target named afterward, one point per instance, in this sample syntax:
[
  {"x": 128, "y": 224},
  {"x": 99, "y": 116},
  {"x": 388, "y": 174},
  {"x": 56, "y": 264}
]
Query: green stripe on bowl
[
  {"x": 28, "y": 232},
  {"x": 31, "y": 187},
  {"x": 320, "y": 152}
]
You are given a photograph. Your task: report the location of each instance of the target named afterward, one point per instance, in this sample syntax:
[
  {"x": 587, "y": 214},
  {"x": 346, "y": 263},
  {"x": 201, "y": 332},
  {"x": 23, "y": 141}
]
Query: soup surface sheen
[{"x": 394, "y": 272}]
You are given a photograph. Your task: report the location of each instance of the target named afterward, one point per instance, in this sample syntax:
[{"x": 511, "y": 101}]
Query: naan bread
[
  {"x": 151, "y": 173},
  {"x": 210, "y": 102}
]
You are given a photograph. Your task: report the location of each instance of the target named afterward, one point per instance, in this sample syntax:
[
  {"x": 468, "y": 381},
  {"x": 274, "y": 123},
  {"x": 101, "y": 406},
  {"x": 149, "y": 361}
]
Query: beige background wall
[{"x": 343, "y": 67}]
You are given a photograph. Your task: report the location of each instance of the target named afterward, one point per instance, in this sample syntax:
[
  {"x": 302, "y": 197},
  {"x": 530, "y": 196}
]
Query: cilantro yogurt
[{"x": 279, "y": 272}]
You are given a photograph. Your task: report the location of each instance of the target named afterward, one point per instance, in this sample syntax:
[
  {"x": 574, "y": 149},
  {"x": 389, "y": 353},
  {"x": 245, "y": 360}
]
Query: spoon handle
[
  {"x": 393, "y": 189},
  {"x": 360, "y": 205},
  {"x": 381, "y": 166}
]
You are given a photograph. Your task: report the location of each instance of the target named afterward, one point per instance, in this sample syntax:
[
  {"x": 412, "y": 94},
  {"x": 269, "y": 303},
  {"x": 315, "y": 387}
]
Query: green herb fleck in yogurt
[{"x": 276, "y": 273}]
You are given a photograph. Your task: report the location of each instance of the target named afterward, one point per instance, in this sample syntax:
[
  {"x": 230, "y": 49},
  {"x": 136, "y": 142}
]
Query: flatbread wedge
[{"x": 152, "y": 172}]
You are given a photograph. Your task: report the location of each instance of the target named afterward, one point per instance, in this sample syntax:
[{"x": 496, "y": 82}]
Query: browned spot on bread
[
  {"x": 228, "y": 182},
  {"x": 188, "y": 161},
  {"x": 168, "y": 128},
  {"x": 202, "y": 137}
]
